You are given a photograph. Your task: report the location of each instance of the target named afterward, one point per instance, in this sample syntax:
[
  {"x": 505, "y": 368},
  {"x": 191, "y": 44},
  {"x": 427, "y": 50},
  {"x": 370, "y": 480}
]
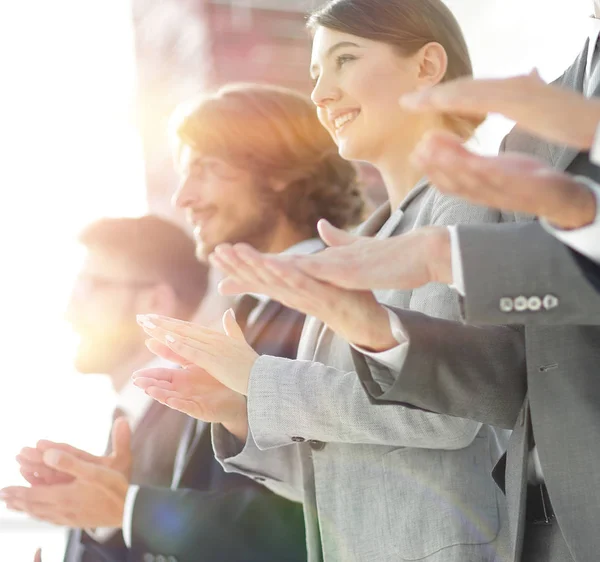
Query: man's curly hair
[{"x": 274, "y": 133}]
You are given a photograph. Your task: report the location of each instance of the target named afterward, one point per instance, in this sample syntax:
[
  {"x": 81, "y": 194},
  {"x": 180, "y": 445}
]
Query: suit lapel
[
  {"x": 572, "y": 79},
  {"x": 144, "y": 427},
  {"x": 253, "y": 331}
]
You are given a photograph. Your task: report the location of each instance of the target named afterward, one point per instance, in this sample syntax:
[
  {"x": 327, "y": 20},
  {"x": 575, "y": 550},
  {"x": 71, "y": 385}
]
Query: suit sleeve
[
  {"x": 590, "y": 269},
  {"x": 245, "y": 523},
  {"x": 470, "y": 371},
  {"x": 520, "y": 274},
  {"x": 474, "y": 372},
  {"x": 315, "y": 402}
]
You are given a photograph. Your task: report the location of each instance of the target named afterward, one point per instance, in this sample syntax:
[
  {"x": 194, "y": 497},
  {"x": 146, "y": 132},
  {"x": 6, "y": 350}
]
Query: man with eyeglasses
[{"x": 132, "y": 265}]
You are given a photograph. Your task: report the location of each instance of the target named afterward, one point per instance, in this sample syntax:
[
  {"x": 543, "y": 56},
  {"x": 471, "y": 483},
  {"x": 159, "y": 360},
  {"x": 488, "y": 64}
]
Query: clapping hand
[
  {"x": 508, "y": 181},
  {"x": 193, "y": 391},
  {"x": 354, "y": 315},
  {"x": 80, "y": 490},
  {"x": 226, "y": 357},
  {"x": 550, "y": 112}
]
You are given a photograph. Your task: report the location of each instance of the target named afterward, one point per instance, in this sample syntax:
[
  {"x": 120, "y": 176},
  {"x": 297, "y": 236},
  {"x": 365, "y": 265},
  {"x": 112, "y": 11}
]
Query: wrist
[
  {"x": 578, "y": 211},
  {"x": 238, "y": 429},
  {"x": 437, "y": 248},
  {"x": 376, "y": 334},
  {"x": 237, "y": 425}
]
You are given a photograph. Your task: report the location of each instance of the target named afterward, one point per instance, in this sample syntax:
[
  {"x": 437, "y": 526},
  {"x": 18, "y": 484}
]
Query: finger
[
  {"x": 146, "y": 382},
  {"x": 160, "y": 374},
  {"x": 160, "y": 349},
  {"x": 161, "y": 395},
  {"x": 121, "y": 438},
  {"x": 247, "y": 262},
  {"x": 49, "y": 495},
  {"x": 38, "y": 555},
  {"x": 465, "y": 96},
  {"x": 231, "y": 286},
  {"x": 43, "y": 512},
  {"x": 333, "y": 236},
  {"x": 44, "y": 473},
  {"x": 13, "y": 492},
  {"x": 30, "y": 454},
  {"x": 202, "y": 355},
  {"x": 44, "y": 445},
  {"x": 32, "y": 478},
  {"x": 217, "y": 260},
  {"x": 326, "y": 266},
  {"x": 296, "y": 281},
  {"x": 161, "y": 326},
  {"x": 69, "y": 464},
  {"x": 185, "y": 406},
  {"x": 231, "y": 327}
]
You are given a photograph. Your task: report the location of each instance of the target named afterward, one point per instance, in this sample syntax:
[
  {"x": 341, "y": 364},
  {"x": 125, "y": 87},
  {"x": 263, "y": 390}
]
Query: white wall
[{"x": 509, "y": 37}]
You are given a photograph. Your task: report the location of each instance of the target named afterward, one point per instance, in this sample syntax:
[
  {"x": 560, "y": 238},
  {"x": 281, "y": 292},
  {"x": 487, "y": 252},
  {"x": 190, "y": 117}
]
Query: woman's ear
[{"x": 433, "y": 64}]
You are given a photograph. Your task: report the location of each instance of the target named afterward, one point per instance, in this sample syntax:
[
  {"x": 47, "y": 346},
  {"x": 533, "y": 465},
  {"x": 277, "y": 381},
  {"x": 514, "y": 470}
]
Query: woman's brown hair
[
  {"x": 274, "y": 133},
  {"x": 407, "y": 25}
]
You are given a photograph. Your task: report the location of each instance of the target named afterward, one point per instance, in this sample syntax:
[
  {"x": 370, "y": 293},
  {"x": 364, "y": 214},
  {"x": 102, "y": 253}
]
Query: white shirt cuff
[
  {"x": 458, "y": 277},
  {"x": 391, "y": 358},
  {"x": 128, "y": 514},
  {"x": 595, "y": 150},
  {"x": 585, "y": 240},
  {"x": 101, "y": 534}
]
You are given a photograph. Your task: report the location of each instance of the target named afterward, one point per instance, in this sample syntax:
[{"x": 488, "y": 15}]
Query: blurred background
[{"x": 85, "y": 93}]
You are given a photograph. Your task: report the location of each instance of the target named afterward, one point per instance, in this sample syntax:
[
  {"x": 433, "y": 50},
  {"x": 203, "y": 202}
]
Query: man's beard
[{"x": 257, "y": 231}]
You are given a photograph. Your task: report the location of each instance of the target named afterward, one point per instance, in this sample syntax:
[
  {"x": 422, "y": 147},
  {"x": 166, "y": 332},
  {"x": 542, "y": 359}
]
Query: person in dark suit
[
  {"x": 256, "y": 167},
  {"x": 131, "y": 265}
]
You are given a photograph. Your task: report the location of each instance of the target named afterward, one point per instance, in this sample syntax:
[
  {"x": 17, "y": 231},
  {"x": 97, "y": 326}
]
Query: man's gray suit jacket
[{"x": 558, "y": 387}]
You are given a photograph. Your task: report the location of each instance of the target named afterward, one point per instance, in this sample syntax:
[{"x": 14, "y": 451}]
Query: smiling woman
[{"x": 73, "y": 156}]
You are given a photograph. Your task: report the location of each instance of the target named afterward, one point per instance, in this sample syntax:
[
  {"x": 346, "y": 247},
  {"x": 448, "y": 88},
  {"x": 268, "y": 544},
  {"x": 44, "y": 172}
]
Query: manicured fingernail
[
  {"x": 51, "y": 457},
  {"x": 145, "y": 321},
  {"x": 170, "y": 339}
]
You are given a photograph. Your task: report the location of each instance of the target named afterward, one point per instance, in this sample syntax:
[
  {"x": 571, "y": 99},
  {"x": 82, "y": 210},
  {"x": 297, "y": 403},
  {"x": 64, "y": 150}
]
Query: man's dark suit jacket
[
  {"x": 209, "y": 515},
  {"x": 153, "y": 447}
]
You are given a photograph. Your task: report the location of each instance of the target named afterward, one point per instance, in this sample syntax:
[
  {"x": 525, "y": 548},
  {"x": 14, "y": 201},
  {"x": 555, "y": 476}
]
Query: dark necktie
[
  {"x": 117, "y": 413},
  {"x": 243, "y": 308}
]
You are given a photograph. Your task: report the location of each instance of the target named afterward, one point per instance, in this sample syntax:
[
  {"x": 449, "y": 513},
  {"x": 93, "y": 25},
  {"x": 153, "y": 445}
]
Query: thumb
[
  {"x": 121, "y": 438},
  {"x": 535, "y": 73},
  {"x": 333, "y": 236},
  {"x": 231, "y": 327},
  {"x": 68, "y": 464}
]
